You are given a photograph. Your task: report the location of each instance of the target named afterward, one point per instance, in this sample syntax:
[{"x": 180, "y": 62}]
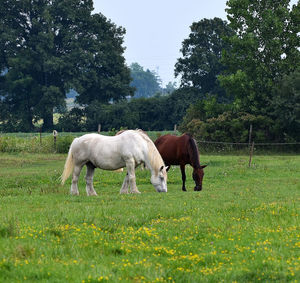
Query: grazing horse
[
  {"x": 129, "y": 149},
  {"x": 181, "y": 151}
]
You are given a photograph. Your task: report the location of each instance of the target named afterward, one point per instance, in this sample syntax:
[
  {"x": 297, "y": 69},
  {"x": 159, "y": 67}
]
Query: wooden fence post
[
  {"x": 250, "y": 135},
  {"x": 99, "y": 128},
  {"x": 40, "y": 135},
  {"x": 175, "y": 129},
  {"x": 251, "y": 153}
]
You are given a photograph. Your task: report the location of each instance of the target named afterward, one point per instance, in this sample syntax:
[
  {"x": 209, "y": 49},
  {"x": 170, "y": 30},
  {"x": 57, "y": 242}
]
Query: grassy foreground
[{"x": 243, "y": 227}]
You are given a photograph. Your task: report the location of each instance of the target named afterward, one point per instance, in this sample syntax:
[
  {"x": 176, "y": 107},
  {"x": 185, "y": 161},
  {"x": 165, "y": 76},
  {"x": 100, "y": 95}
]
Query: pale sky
[{"x": 155, "y": 29}]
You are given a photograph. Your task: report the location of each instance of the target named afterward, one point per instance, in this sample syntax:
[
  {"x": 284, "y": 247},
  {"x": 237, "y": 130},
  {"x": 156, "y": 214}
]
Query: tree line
[{"x": 232, "y": 73}]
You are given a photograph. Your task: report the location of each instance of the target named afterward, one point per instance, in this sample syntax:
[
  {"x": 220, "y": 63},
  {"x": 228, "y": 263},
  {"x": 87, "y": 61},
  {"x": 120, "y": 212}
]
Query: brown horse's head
[{"x": 198, "y": 174}]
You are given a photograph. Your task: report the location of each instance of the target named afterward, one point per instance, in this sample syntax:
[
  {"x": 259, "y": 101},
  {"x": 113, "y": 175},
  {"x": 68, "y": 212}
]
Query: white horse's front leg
[
  {"x": 125, "y": 186},
  {"x": 131, "y": 176}
]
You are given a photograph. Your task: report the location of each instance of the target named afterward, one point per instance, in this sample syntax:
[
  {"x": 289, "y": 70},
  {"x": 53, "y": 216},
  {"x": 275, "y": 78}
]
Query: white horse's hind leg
[
  {"x": 90, "y": 168},
  {"x": 125, "y": 186},
  {"x": 131, "y": 176},
  {"x": 75, "y": 176}
]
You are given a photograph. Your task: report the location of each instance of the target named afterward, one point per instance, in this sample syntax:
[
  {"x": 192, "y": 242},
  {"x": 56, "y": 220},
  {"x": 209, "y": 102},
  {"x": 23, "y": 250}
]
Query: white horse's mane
[{"x": 154, "y": 156}]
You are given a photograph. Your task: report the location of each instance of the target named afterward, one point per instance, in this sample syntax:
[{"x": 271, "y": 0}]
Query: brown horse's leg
[{"x": 182, "y": 168}]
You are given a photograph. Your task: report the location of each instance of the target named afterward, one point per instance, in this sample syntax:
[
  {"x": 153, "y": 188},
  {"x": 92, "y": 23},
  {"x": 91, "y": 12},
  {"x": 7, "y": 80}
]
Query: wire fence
[
  {"x": 209, "y": 147},
  {"x": 244, "y": 148}
]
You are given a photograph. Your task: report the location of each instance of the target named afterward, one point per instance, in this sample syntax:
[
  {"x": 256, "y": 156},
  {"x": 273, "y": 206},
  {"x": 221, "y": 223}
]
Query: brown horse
[{"x": 181, "y": 151}]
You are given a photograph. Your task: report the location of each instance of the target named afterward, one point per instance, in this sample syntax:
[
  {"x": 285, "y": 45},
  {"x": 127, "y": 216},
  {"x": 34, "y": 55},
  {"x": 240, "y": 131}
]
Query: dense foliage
[
  {"x": 233, "y": 74},
  {"x": 48, "y": 47},
  {"x": 201, "y": 53},
  {"x": 261, "y": 74},
  {"x": 264, "y": 48},
  {"x": 154, "y": 113}
]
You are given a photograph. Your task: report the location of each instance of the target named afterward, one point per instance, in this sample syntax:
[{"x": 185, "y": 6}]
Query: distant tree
[
  {"x": 160, "y": 112},
  {"x": 72, "y": 121},
  {"x": 169, "y": 88},
  {"x": 50, "y": 47},
  {"x": 146, "y": 83},
  {"x": 200, "y": 63},
  {"x": 177, "y": 104},
  {"x": 265, "y": 47},
  {"x": 110, "y": 116}
]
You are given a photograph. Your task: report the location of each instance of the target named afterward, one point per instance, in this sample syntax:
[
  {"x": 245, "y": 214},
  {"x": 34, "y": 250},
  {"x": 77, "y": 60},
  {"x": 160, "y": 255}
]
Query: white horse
[{"x": 130, "y": 148}]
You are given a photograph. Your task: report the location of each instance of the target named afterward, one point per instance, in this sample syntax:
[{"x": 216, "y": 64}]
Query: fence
[
  {"x": 248, "y": 148},
  {"x": 59, "y": 142},
  {"x": 219, "y": 147}
]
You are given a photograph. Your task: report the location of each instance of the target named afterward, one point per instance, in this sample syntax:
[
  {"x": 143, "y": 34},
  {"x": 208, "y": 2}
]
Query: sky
[{"x": 155, "y": 29}]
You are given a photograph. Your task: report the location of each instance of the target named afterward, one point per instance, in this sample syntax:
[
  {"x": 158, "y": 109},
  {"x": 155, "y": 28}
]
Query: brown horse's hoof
[
  {"x": 197, "y": 189},
  {"x": 184, "y": 189}
]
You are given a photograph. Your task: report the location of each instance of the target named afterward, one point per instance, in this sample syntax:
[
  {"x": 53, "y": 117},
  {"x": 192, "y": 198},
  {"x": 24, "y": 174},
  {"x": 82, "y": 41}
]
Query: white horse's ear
[{"x": 167, "y": 168}]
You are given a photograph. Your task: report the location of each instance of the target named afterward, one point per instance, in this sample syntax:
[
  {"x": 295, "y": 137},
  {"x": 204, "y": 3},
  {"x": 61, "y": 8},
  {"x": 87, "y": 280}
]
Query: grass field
[{"x": 243, "y": 227}]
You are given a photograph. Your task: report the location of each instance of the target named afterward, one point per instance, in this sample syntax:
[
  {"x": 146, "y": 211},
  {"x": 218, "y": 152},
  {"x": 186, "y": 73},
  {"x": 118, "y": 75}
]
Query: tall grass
[{"x": 34, "y": 143}]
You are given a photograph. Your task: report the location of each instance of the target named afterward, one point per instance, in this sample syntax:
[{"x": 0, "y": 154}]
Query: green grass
[{"x": 243, "y": 226}]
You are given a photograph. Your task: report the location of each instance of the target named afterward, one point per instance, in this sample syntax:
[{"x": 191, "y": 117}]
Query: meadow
[{"x": 243, "y": 226}]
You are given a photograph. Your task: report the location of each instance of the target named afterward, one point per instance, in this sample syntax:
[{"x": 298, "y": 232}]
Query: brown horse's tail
[{"x": 69, "y": 165}]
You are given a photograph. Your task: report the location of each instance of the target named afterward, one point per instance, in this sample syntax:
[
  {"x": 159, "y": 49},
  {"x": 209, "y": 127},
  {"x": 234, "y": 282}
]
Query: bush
[
  {"x": 230, "y": 127},
  {"x": 63, "y": 144}
]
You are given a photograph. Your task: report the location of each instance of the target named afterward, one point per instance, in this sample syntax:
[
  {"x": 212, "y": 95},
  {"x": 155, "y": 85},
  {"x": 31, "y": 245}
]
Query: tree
[
  {"x": 146, "y": 83},
  {"x": 201, "y": 53},
  {"x": 287, "y": 106},
  {"x": 265, "y": 47},
  {"x": 71, "y": 121},
  {"x": 153, "y": 113},
  {"x": 231, "y": 127},
  {"x": 50, "y": 47},
  {"x": 169, "y": 88},
  {"x": 105, "y": 76}
]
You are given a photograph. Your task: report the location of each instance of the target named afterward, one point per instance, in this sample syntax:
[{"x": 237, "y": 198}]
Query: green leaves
[
  {"x": 201, "y": 52},
  {"x": 58, "y": 45},
  {"x": 263, "y": 50}
]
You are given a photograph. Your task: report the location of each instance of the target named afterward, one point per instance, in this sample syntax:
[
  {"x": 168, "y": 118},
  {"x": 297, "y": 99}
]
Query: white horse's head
[{"x": 159, "y": 181}]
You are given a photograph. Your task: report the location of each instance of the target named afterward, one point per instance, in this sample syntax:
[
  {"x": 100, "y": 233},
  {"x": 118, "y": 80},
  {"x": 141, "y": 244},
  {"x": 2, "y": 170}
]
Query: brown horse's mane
[{"x": 194, "y": 153}]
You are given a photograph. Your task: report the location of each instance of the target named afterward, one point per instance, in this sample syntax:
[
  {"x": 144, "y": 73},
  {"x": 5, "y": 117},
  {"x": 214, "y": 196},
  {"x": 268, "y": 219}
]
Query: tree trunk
[{"x": 48, "y": 120}]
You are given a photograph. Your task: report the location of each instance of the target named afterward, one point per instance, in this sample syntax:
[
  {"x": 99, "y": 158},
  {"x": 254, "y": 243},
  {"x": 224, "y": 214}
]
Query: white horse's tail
[{"x": 69, "y": 165}]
